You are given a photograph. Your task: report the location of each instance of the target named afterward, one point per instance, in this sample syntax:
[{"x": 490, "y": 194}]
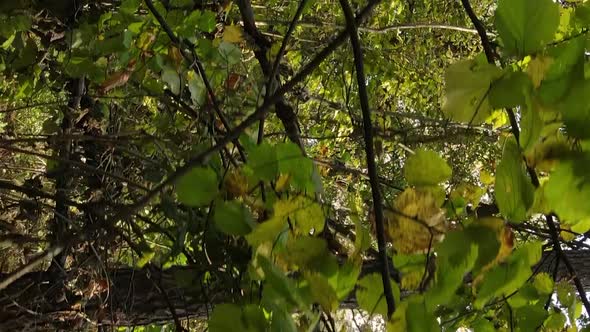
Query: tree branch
[{"x": 370, "y": 154}]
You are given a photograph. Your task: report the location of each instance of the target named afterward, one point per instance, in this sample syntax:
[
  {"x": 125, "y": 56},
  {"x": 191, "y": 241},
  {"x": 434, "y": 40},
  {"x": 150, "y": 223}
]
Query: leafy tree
[{"x": 274, "y": 165}]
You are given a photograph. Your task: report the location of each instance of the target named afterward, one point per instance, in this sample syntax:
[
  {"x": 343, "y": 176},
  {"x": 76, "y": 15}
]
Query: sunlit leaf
[
  {"x": 526, "y": 25},
  {"x": 197, "y": 187},
  {"x": 426, "y": 167},
  {"x": 513, "y": 190},
  {"x": 467, "y": 85}
]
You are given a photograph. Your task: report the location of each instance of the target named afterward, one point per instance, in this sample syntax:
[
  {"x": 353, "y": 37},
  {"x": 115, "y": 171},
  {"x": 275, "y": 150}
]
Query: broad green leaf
[
  {"x": 171, "y": 77},
  {"x": 555, "y": 322},
  {"x": 513, "y": 190},
  {"x": 543, "y": 283},
  {"x": 196, "y": 87},
  {"x": 575, "y": 110},
  {"x": 510, "y": 90},
  {"x": 566, "y": 192},
  {"x": 231, "y": 317},
  {"x": 456, "y": 256},
  {"x": 305, "y": 214},
  {"x": 207, "y": 21},
  {"x": 262, "y": 159},
  {"x": 566, "y": 294},
  {"x": 233, "y": 218},
  {"x": 529, "y": 318},
  {"x": 198, "y": 187},
  {"x": 280, "y": 292},
  {"x": 225, "y": 317},
  {"x": 292, "y": 162},
  {"x": 419, "y": 319},
  {"x": 526, "y": 295},
  {"x": 302, "y": 251},
  {"x": 282, "y": 321},
  {"x": 483, "y": 325},
  {"x": 525, "y": 26},
  {"x": 370, "y": 296},
  {"x": 267, "y": 231},
  {"x": 322, "y": 291},
  {"x": 230, "y": 53},
  {"x": 346, "y": 278},
  {"x": 506, "y": 278},
  {"x": 425, "y": 168},
  {"x": 531, "y": 126},
  {"x": 467, "y": 85}
]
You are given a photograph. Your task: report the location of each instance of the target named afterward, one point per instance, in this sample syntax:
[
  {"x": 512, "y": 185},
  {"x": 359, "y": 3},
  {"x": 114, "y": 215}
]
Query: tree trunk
[{"x": 148, "y": 295}]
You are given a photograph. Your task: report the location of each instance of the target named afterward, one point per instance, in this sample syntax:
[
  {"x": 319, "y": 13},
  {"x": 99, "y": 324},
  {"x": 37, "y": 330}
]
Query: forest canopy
[{"x": 247, "y": 165}]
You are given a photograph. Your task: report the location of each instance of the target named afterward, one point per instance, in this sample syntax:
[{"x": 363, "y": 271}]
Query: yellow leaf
[
  {"x": 566, "y": 233},
  {"x": 538, "y": 68},
  {"x": 232, "y": 34},
  {"x": 409, "y": 224},
  {"x": 282, "y": 182},
  {"x": 486, "y": 177}
]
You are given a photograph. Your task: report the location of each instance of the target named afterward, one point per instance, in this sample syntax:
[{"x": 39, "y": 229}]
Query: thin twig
[{"x": 370, "y": 154}]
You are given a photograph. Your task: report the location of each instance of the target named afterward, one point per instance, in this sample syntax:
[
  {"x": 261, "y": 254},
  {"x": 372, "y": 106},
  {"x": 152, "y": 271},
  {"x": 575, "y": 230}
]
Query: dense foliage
[{"x": 294, "y": 165}]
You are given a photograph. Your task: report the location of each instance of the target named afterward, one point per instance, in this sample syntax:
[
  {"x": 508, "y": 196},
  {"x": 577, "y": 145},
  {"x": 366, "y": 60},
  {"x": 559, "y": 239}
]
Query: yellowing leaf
[
  {"x": 282, "y": 182},
  {"x": 538, "y": 68},
  {"x": 486, "y": 177},
  {"x": 408, "y": 223},
  {"x": 566, "y": 233},
  {"x": 232, "y": 34}
]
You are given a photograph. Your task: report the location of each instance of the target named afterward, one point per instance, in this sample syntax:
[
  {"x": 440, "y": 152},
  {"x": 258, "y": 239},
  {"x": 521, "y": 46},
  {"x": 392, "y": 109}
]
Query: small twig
[{"x": 370, "y": 155}]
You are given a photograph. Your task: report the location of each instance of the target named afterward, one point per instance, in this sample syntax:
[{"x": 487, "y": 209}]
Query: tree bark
[{"x": 131, "y": 296}]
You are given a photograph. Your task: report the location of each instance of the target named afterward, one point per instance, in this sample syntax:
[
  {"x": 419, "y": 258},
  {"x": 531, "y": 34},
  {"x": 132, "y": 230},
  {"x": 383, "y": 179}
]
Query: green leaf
[
  {"x": 291, "y": 161},
  {"x": 304, "y": 250},
  {"x": 467, "y": 84},
  {"x": 525, "y": 26},
  {"x": 530, "y": 317},
  {"x": 231, "y": 317},
  {"x": 207, "y": 21},
  {"x": 566, "y": 294},
  {"x": 483, "y": 325},
  {"x": 197, "y": 187},
  {"x": 370, "y": 296},
  {"x": 262, "y": 159},
  {"x": 346, "y": 279},
  {"x": 510, "y": 90},
  {"x": 233, "y": 218},
  {"x": 506, "y": 278},
  {"x": 171, "y": 77},
  {"x": 225, "y": 318},
  {"x": 419, "y": 319},
  {"x": 514, "y": 191},
  {"x": 426, "y": 168},
  {"x": 531, "y": 126},
  {"x": 575, "y": 110},
  {"x": 567, "y": 191},
  {"x": 456, "y": 255},
  {"x": 322, "y": 291},
  {"x": 230, "y": 53},
  {"x": 543, "y": 283},
  {"x": 196, "y": 87},
  {"x": 267, "y": 231},
  {"x": 555, "y": 322}
]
